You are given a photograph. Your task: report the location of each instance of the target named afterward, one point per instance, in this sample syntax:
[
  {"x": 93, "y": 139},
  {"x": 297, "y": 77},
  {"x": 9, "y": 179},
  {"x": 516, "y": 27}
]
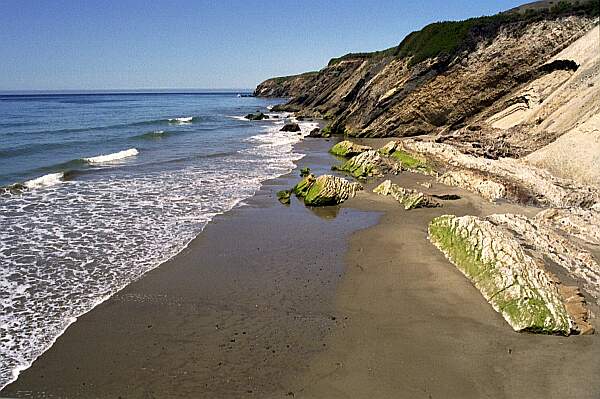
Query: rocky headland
[{"x": 506, "y": 107}]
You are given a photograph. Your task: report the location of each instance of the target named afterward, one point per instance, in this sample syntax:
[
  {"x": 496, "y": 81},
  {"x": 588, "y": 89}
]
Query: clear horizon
[{"x": 198, "y": 45}]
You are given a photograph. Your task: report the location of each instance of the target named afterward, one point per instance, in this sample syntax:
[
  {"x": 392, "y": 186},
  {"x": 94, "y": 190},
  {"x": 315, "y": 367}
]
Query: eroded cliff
[{"x": 445, "y": 77}]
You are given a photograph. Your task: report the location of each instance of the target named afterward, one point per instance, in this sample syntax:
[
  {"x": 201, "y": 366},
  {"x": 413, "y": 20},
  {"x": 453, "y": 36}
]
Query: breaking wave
[
  {"x": 44, "y": 181},
  {"x": 112, "y": 157}
]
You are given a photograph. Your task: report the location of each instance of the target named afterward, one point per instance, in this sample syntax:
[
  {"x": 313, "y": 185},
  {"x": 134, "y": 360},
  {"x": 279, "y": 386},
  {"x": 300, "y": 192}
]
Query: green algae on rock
[
  {"x": 284, "y": 196},
  {"x": 304, "y": 172},
  {"x": 410, "y": 199},
  {"x": 348, "y": 149},
  {"x": 410, "y": 162},
  {"x": 407, "y": 161},
  {"x": 512, "y": 281},
  {"x": 369, "y": 164},
  {"x": 325, "y": 190},
  {"x": 301, "y": 189}
]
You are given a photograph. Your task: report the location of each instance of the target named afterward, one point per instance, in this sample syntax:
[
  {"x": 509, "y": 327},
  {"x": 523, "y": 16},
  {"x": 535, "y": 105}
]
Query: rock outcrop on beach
[
  {"x": 347, "y": 148},
  {"x": 325, "y": 190},
  {"x": 506, "y": 107},
  {"x": 369, "y": 164},
  {"x": 506, "y": 178},
  {"x": 513, "y": 276},
  {"x": 410, "y": 199},
  {"x": 581, "y": 223}
]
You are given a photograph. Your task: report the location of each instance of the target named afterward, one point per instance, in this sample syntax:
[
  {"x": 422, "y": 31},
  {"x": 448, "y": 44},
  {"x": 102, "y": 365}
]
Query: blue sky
[{"x": 132, "y": 44}]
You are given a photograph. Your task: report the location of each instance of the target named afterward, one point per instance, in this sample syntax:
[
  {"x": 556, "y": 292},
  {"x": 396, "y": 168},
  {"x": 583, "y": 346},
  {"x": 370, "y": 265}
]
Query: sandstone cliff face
[{"x": 390, "y": 95}]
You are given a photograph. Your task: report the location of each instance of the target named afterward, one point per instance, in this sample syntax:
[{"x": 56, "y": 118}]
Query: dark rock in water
[
  {"x": 316, "y": 132},
  {"x": 304, "y": 172},
  {"x": 284, "y": 196},
  {"x": 16, "y": 188},
  {"x": 275, "y": 117},
  {"x": 290, "y": 127},
  {"x": 257, "y": 116}
]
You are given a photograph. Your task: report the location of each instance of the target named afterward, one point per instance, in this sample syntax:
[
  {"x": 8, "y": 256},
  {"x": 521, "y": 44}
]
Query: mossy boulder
[
  {"x": 513, "y": 282},
  {"x": 256, "y": 116},
  {"x": 348, "y": 149},
  {"x": 410, "y": 199},
  {"x": 368, "y": 164},
  {"x": 406, "y": 160},
  {"x": 301, "y": 189},
  {"x": 325, "y": 190},
  {"x": 284, "y": 196},
  {"x": 411, "y": 162},
  {"x": 304, "y": 172}
]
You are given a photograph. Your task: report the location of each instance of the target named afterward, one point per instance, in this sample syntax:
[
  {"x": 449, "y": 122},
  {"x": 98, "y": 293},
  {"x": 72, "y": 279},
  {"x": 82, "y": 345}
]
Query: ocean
[{"x": 99, "y": 188}]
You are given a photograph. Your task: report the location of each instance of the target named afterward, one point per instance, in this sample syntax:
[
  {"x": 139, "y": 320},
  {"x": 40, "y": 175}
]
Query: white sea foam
[
  {"x": 239, "y": 118},
  {"x": 182, "y": 121},
  {"x": 112, "y": 157},
  {"x": 44, "y": 181},
  {"x": 65, "y": 249}
]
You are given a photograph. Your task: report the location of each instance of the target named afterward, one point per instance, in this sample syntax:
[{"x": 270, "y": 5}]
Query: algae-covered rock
[
  {"x": 284, "y": 196},
  {"x": 550, "y": 243},
  {"x": 369, "y": 164},
  {"x": 411, "y": 162},
  {"x": 348, "y": 149},
  {"x": 410, "y": 199},
  {"x": 407, "y": 160},
  {"x": 301, "y": 189},
  {"x": 325, "y": 190},
  {"x": 304, "y": 172},
  {"x": 512, "y": 281}
]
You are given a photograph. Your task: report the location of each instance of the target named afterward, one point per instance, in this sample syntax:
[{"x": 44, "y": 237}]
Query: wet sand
[
  {"x": 273, "y": 301},
  {"x": 410, "y": 325}
]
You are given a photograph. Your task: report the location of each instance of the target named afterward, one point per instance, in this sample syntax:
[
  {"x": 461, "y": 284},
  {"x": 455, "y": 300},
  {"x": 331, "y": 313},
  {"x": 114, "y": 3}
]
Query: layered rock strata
[
  {"x": 514, "y": 281},
  {"x": 348, "y": 149},
  {"x": 522, "y": 182},
  {"x": 410, "y": 199},
  {"x": 369, "y": 164},
  {"x": 325, "y": 190}
]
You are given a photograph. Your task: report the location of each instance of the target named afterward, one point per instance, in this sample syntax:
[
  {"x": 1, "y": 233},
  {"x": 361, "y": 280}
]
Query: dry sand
[{"x": 276, "y": 302}]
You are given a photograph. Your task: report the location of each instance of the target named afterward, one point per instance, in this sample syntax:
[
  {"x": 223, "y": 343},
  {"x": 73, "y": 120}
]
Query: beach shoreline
[
  {"x": 254, "y": 280},
  {"x": 278, "y": 301}
]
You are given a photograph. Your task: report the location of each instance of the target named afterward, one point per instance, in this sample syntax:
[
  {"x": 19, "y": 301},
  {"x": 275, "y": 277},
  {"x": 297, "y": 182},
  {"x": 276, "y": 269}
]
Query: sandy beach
[{"x": 274, "y": 301}]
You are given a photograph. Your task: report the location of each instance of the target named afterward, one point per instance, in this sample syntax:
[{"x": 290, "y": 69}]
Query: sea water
[{"x": 96, "y": 189}]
